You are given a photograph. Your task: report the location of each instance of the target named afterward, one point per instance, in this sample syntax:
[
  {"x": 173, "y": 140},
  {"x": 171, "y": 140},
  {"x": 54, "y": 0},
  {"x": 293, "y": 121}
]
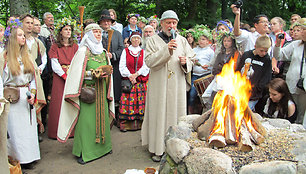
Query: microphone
[
  {"x": 28, "y": 93},
  {"x": 173, "y": 33}
]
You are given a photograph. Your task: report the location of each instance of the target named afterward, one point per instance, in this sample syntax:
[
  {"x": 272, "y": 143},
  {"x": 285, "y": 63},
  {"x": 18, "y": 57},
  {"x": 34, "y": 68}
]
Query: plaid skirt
[{"x": 132, "y": 105}]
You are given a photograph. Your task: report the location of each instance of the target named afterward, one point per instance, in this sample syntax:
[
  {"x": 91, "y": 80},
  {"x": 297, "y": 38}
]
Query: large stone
[
  {"x": 279, "y": 167},
  {"x": 279, "y": 123},
  {"x": 188, "y": 118},
  {"x": 297, "y": 128},
  {"x": 300, "y": 148},
  {"x": 177, "y": 149},
  {"x": 301, "y": 167},
  {"x": 180, "y": 132},
  {"x": 208, "y": 161},
  {"x": 267, "y": 126}
]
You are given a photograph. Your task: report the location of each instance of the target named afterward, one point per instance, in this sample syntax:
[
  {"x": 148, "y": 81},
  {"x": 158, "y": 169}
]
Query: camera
[
  {"x": 238, "y": 3},
  {"x": 281, "y": 36}
]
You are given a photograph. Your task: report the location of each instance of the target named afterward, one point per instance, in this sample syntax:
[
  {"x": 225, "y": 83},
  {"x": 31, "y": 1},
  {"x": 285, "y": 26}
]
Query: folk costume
[
  {"x": 22, "y": 122},
  {"x": 92, "y": 137},
  {"x": 166, "y": 94},
  {"x": 4, "y": 109},
  {"x": 60, "y": 59},
  {"x": 132, "y": 105}
]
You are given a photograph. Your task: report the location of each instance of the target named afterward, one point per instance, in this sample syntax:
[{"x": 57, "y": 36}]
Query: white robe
[
  {"x": 23, "y": 142},
  {"x": 166, "y": 94}
]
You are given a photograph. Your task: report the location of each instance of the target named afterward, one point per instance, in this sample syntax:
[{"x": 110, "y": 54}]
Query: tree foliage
[{"x": 190, "y": 12}]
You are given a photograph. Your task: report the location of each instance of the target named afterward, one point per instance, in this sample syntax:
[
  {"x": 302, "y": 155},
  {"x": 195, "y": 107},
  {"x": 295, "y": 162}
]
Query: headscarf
[{"x": 89, "y": 40}]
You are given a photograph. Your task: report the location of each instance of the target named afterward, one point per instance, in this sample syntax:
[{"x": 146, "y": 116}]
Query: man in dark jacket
[{"x": 114, "y": 52}]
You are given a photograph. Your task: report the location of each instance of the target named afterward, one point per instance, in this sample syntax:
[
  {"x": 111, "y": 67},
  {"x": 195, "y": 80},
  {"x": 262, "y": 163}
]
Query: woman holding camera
[
  {"x": 133, "y": 68},
  {"x": 88, "y": 99},
  {"x": 279, "y": 68},
  {"x": 295, "y": 52}
]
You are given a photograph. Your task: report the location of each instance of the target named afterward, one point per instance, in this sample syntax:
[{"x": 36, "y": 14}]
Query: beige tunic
[
  {"x": 166, "y": 95},
  {"x": 4, "y": 109}
]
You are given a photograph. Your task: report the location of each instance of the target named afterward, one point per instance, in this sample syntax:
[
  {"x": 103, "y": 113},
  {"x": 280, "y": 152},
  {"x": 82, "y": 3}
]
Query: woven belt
[{"x": 19, "y": 86}]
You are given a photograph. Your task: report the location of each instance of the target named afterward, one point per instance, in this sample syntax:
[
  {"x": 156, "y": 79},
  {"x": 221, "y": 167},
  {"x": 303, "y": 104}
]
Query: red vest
[{"x": 131, "y": 63}]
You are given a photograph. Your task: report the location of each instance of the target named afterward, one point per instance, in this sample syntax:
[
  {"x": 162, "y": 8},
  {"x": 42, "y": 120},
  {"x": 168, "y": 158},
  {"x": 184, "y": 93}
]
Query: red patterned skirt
[{"x": 132, "y": 107}]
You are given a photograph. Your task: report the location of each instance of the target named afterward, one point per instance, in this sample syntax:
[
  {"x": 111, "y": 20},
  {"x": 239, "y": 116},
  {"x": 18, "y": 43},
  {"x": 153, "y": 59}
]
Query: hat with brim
[{"x": 105, "y": 15}]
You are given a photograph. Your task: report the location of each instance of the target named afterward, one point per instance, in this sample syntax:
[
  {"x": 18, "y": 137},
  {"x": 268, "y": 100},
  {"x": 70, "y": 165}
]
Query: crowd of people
[{"x": 138, "y": 77}]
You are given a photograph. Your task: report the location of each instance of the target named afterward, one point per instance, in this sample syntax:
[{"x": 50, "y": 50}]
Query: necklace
[{"x": 98, "y": 58}]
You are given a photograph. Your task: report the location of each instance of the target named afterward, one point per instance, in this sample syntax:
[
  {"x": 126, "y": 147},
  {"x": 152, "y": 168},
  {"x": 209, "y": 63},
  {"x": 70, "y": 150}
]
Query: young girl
[
  {"x": 280, "y": 103},
  {"x": 227, "y": 51},
  {"x": 18, "y": 72}
]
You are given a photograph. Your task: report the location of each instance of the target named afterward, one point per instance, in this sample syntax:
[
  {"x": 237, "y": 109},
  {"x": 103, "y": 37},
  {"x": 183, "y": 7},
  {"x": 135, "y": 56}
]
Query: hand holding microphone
[
  {"x": 172, "y": 45},
  {"x": 30, "y": 98}
]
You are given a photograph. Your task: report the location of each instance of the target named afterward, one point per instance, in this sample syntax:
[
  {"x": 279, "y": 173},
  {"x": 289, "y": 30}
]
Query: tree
[{"x": 18, "y": 7}]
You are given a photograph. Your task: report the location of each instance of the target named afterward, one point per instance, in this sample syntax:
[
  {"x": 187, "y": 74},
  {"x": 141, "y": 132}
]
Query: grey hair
[{"x": 46, "y": 14}]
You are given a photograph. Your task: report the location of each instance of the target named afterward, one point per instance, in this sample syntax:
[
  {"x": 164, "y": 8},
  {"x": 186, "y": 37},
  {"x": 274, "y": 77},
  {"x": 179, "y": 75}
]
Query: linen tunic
[
  {"x": 22, "y": 127},
  {"x": 166, "y": 94}
]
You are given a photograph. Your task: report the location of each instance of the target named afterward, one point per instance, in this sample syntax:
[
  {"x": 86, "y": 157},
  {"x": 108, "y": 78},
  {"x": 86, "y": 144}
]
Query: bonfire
[{"x": 230, "y": 121}]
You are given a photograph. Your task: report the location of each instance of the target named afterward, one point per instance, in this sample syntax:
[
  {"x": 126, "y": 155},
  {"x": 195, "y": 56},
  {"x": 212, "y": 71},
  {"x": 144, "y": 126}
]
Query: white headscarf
[{"x": 90, "y": 41}]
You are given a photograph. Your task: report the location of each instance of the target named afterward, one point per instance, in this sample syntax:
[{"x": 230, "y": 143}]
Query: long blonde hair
[{"x": 14, "y": 50}]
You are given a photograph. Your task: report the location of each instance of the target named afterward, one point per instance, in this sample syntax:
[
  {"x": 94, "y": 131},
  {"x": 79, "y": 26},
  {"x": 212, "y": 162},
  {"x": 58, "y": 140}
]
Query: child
[
  {"x": 259, "y": 68},
  {"x": 227, "y": 51},
  {"x": 201, "y": 67}
]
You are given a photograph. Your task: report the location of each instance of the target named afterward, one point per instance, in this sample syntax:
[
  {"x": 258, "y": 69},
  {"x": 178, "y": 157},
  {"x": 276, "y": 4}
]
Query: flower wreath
[
  {"x": 185, "y": 32},
  {"x": 223, "y": 23},
  {"x": 142, "y": 19},
  {"x": 10, "y": 25},
  {"x": 222, "y": 35},
  {"x": 131, "y": 15},
  {"x": 68, "y": 21},
  {"x": 154, "y": 18},
  {"x": 202, "y": 30}
]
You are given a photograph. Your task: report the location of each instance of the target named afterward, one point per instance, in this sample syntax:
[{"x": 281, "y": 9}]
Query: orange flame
[{"x": 236, "y": 85}]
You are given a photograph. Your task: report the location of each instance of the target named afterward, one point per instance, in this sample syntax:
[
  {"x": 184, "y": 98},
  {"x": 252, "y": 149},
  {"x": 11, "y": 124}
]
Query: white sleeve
[
  {"x": 144, "y": 70},
  {"x": 124, "y": 71},
  {"x": 243, "y": 36},
  {"x": 56, "y": 67},
  {"x": 43, "y": 61},
  {"x": 284, "y": 53},
  {"x": 33, "y": 83},
  {"x": 1, "y": 87}
]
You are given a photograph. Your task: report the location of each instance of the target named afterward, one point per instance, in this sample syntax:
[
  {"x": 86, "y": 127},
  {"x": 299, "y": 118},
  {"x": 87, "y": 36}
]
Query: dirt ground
[{"x": 57, "y": 158}]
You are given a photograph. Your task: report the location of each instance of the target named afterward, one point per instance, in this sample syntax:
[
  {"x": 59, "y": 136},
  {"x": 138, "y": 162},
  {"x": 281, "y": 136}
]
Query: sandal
[{"x": 156, "y": 158}]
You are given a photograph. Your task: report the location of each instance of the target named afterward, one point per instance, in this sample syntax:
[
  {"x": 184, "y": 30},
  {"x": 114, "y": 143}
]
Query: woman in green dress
[{"x": 88, "y": 102}]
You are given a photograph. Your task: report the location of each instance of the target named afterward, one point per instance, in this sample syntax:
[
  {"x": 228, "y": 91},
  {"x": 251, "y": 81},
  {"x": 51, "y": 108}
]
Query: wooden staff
[
  {"x": 81, "y": 10},
  {"x": 110, "y": 35}
]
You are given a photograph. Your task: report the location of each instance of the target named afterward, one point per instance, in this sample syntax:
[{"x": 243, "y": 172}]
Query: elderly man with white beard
[
  {"x": 148, "y": 31},
  {"x": 168, "y": 58}
]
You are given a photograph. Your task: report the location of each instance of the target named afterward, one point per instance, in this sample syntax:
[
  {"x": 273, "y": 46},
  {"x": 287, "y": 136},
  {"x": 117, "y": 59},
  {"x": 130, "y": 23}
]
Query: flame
[{"x": 236, "y": 87}]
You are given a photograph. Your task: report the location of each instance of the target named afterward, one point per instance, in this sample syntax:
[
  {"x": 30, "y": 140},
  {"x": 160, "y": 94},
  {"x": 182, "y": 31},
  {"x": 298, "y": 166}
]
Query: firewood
[
  {"x": 200, "y": 120},
  {"x": 205, "y": 129},
  {"x": 257, "y": 138},
  {"x": 256, "y": 123},
  {"x": 245, "y": 143},
  {"x": 217, "y": 140},
  {"x": 229, "y": 122}
]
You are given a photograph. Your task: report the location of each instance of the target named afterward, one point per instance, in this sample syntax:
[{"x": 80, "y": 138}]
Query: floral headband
[
  {"x": 223, "y": 23},
  {"x": 185, "y": 32},
  {"x": 65, "y": 21},
  {"x": 68, "y": 21},
  {"x": 222, "y": 35},
  {"x": 153, "y": 18},
  {"x": 10, "y": 25},
  {"x": 131, "y": 15},
  {"x": 202, "y": 30},
  {"x": 142, "y": 19}
]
